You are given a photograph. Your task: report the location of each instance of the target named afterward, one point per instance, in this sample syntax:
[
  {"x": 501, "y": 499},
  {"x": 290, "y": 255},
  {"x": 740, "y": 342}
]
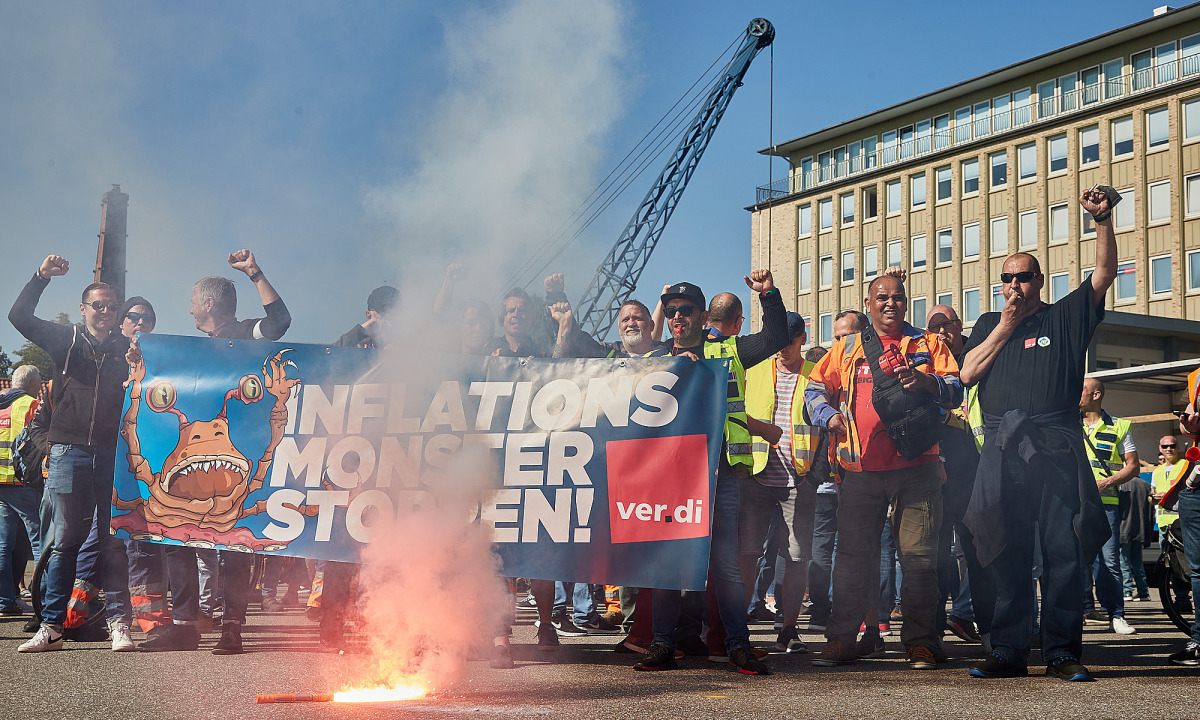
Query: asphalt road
[{"x": 585, "y": 679}]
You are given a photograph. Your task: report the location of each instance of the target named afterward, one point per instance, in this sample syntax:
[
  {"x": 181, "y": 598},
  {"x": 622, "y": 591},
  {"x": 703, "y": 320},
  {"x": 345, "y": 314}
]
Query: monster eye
[
  {"x": 251, "y": 388},
  {"x": 161, "y": 396}
]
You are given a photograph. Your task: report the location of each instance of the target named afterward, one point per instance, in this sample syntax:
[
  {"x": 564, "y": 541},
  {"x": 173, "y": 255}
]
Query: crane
[{"x": 618, "y": 274}]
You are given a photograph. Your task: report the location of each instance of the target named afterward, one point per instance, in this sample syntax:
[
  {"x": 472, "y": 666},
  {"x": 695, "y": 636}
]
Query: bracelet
[
  {"x": 38, "y": 274},
  {"x": 772, "y": 290},
  {"x": 1103, "y": 216},
  {"x": 257, "y": 274}
]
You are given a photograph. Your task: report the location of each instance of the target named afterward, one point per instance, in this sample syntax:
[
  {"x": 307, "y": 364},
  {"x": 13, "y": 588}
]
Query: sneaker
[
  {"x": 1142, "y": 598},
  {"x": 1121, "y": 627},
  {"x": 789, "y": 642},
  {"x": 693, "y": 645},
  {"x": 13, "y": 611},
  {"x": 313, "y": 614},
  {"x": 659, "y": 657},
  {"x": 547, "y": 638},
  {"x": 272, "y": 604},
  {"x": 920, "y": 658},
  {"x": 885, "y": 629},
  {"x": 1069, "y": 669},
  {"x": 502, "y": 658},
  {"x": 600, "y": 626},
  {"x": 121, "y": 642},
  {"x": 1095, "y": 616},
  {"x": 995, "y": 666},
  {"x": 87, "y": 632},
  {"x": 985, "y": 641},
  {"x": 760, "y": 615},
  {"x": 718, "y": 656},
  {"x": 743, "y": 660},
  {"x": 1127, "y": 597},
  {"x": 1189, "y": 655},
  {"x": 528, "y": 603},
  {"x": 835, "y": 652},
  {"x": 625, "y": 647},
  {"x": 171, "y": 637},
  {"x": 231, "y": 640},
  {"x": 32, "y": 625},
  {"x": 870, "y": 645},
  {"x": 565, "y": 628},
  {"x": 963, "y": 628},
  {"x": 46, "y": 638},
  {"x": 816, "y": 626},
  {"x": 778, "y": 624}
]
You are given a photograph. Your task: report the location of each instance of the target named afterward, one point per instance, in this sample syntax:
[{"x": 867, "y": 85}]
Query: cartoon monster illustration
[{"x": 199, "y": 495}]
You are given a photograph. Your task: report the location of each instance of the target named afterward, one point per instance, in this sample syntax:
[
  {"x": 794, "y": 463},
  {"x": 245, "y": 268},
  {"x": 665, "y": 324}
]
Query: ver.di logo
[{"x": 1043, "y": 341}]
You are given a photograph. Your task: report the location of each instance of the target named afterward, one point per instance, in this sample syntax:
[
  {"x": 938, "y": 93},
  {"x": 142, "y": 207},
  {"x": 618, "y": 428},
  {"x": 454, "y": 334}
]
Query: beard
[{"x": 632, "y": 338}]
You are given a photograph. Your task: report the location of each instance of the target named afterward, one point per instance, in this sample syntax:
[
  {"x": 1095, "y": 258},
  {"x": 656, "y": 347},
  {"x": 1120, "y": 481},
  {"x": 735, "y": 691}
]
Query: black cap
[
  {"x": 795, "y": 325},
  {"x": 383, "y": 298},
  {"x": 685, "y": 291}
]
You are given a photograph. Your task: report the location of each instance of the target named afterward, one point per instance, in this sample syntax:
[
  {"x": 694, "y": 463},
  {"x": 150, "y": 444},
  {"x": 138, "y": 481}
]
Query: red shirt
[{"x": 878, "y": 451}]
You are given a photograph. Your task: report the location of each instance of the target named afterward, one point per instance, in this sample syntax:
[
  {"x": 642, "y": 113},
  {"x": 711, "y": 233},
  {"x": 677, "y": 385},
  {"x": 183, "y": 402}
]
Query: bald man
[{"x": 724, "y": 316}]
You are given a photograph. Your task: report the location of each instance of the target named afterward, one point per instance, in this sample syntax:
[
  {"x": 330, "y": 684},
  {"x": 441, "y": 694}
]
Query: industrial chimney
[{"x": 110, "y": 252}]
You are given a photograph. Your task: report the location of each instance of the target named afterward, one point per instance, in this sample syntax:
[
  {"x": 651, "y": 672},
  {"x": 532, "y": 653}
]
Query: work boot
[{"x": 231, "y": 640}]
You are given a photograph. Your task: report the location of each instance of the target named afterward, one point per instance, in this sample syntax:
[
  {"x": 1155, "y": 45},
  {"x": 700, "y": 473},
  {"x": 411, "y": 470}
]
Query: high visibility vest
[
  {"x": 737, "y": 431},
  {"x": 1163, "y": 478},
  {"x": 974, "y": 415},
  {"x": 1193, "y": 385},
  {"x": 760, "y": 403},
  {"x": 1107, "y": 436},
  {"x": 12, "y": 421}
]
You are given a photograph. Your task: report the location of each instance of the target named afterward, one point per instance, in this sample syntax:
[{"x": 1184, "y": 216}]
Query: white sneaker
[
  {"x": 46, "y": 638},
  {"x": 121, "y": 642},
  {"x": 1120, "y": 627}
]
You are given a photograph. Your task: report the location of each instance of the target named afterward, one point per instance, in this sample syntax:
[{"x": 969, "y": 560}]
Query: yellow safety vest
[
  {"x": 760, "y": 403},
  {"x": 974, "y": 415},
  {"x": 1107, "y": 439},
  {"x": 12, "y": 422},
  {"x": 737, "y": 432},
  {"x": 1163, "y": 478}
]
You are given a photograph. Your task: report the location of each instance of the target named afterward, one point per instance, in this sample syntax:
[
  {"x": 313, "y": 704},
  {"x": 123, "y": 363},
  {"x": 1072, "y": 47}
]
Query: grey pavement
[{"x": 585, "y": 679}]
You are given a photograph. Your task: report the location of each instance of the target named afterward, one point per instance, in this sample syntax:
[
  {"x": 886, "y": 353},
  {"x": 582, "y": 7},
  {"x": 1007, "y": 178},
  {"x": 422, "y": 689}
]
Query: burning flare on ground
[{"x": 379, "y": 694}]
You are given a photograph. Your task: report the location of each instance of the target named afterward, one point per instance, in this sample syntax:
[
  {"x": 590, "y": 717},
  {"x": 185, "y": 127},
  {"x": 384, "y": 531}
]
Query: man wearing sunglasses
[
  {"x": 89, "y": 372},
  {"x": 1029, "y": 362},
  {"x": 683, "y": 305}
]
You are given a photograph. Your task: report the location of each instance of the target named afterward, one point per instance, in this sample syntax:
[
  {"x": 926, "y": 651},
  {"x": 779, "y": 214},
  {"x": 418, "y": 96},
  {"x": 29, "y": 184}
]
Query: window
[
  {"x": 945, "y": 299},
  {"x": 1189, "y": 55},
  {"x": 825, "y": 328},
  {"x": 805, "y": 281},
  {"x": 1057, "y": 149},
  {"x": 916, "y": 252},
  {"x": 1192, "y": 185},
  {"x": 944, "y": 184},
  {"x": 806, "y": 173},
  {"x": 826, "y": 272},
  {"x": 1091, "y": 84},
  {"x": 970, "y": 306},
  {"x": 805, "y": 221},
  {"x": 825, "y": 161},
  {"x": 970, "y": 241},
  {"x": 906, "y": 142},
  {"x": 1000, "y": 119},
  {"x": 945, "y": 247},
  {"x": 870, "y": 152},
  {"x": 826, "y": 210},
  {"x": 895, "y": 250},
  {"x": 1122, "y": 137},
  {"x": 1160, "y": 275},
  {"x": 1066, "y": 93},
  {"x": 893, "y": 197},
  {"x": 1193, "y": 269},
  {"x": 997, "y": 298},
  {"x": 917, "y": 314},
  {"x": 1022, "y": 104},
  {"x": 1086, "y": 222},
  {"x": 1114, "y": 82},
  {"x": 999, "y": 163},
  {"x": 1191, "y": 120},
  {"x": 1143, "y": 64},
  {"x": 1027, "y": 229},
  {"x": 855, "y": 156},
  {"x": 924, "y": 136},
  {"x": 970, "y": 177},
  {"x": 1124, "y": 215},
  {"x": 941, "y": 131},
  {"x": 1000, "y": 235},
  {"x": 1089, "y": 145},
  {"x": 1060, "y": 285},
  {"x": 1160, "y": 202},
  {"x": 962, "y": 125},
  {"x": 1027, "y": 161},
  {"x": 870, "y": 261},
  {"x": 889, "y": 147},
  {"x": 1157, "y": 133},
  {"x": 916, "y": 188},
  {"x": 848, "y": 209},
  {"x": 840, "y": 166},
  {"x": 870, "y": 197},
  {"x": 1164, "y": 58},
  {"x": 848, "y": 267},
  {"x": 983, "y": 118},
  {"x": 1057, "y": 226},
  {"x": 1126, "y": 284},
  {"x": 1045, "y": 92}
]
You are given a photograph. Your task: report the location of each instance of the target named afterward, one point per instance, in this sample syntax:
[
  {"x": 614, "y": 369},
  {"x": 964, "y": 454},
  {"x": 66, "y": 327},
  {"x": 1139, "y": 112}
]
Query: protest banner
[{"x": 603, "y": 469}]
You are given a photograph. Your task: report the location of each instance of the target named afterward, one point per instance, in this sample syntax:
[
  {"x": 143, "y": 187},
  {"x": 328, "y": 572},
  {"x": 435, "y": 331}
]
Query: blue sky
[{"x": 368, "y": 143}]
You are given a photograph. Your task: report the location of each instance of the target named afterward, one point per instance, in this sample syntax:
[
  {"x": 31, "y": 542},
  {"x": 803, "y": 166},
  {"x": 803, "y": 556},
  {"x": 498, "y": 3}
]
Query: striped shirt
[{"x": 780, "y": 472}]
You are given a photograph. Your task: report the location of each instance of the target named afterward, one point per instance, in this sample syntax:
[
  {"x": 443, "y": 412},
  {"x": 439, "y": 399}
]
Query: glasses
[
  {"x": 100, "y": 305},
  {"x": 1164, "y": 447},
  {"x": 1022, "y": 277},
  {"x": 938, "y": 327},
  {"x": 683, "y": 310},
  {"x": 138, "y": 317}
]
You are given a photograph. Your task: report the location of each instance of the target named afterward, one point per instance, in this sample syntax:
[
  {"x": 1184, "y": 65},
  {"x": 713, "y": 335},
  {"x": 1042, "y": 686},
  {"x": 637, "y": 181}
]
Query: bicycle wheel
[{"x": 1169, "y": 593}]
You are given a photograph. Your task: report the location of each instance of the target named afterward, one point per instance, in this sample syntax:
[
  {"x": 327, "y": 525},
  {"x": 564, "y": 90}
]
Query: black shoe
[
  {"x": 32, "y": 625},
  {"x": 623, "y": 648},
  {"x": 565, "y": 628},
  {"x": 547, "y": 638},
  {"x": 1069, "y": 669},
  {"x": 231, "y": 640},
  {"x": 600, "y": 626},
  {"x": 693, "y": 645},
  {"x": 760, "y": 615},
  {"x": 995, "y": 666},
  {"x": 963, "y": 628},
  {"x": 501, "y": 658},
  {"x": 1096, "y": 616},
  {"x": 660, "y": 657},
  {"x": 87, "y": 632},
  {"x": 742, "y": 660},
  {"x": 1189, "y": 655},
  {"x": 11, "y": 612},
  {"x": 171, "y": 637},
  {"x": 528, "y": 603},
  {"x": 870, "y": 645},
  {"x": 789, "y": 641}
]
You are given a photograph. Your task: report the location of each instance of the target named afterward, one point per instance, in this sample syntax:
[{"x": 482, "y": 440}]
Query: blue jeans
[
  {"x": 820, "y": 570},
  {"x": 80, "y": 486},
  {"x": 208, "y": 566},
  {"x": 1189, "y": 523},
  {"x": 18, "y": 513},
  {"x": 1106, "y": 567},
  {"x": 724, "y": 568},
  {"x": 890, "y": 578},
  {"x": 766, "y": 576},
  {"x": 1133, "y": 569}
]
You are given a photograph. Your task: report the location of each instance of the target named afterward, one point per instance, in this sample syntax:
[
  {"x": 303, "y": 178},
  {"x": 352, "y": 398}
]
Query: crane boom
[{"x": 617, "y": 276}]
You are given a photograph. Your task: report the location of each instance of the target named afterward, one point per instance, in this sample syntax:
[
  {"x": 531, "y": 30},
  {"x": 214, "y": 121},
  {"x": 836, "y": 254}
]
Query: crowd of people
[{"x": 898, "y": 471}]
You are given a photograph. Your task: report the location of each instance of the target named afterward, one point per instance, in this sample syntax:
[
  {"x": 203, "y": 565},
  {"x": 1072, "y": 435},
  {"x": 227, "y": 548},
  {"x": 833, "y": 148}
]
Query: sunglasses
[
  {"x": 684, "y": 310},
  {"x": 138, "y": 317},
  {"x": 1168, "y": 446},
  {"x": 100, "y": 305},
  {"x": 1021, "y": 277}
]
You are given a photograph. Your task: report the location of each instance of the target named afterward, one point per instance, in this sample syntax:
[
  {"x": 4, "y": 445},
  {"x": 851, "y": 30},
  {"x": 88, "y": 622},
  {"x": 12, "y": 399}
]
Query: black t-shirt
[{"x": 1041, "y": 367}]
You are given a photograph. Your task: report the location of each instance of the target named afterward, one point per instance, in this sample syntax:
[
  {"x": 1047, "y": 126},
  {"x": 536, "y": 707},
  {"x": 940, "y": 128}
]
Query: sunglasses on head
[
  {"x": 684, "y": 310},
  {"x": 138, "y": 317},
  {"x": 1022, "y": 277},
  {"x": 99, "y": 305}
]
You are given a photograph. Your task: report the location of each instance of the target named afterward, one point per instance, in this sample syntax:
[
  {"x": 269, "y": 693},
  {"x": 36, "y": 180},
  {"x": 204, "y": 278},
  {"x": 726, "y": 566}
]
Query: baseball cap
[
  {"x": 383, "y": 298},
  {"x": 795, "y": 323},
  {"x": 685, "y": 291}
]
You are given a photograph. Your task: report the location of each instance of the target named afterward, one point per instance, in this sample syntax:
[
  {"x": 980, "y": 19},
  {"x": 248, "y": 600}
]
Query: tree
[
  {"x": 6, "y": 365},
  {"x": 30, "y": 354}
]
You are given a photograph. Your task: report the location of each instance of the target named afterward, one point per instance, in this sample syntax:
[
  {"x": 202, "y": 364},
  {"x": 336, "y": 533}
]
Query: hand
[
  {"x": 897, "y": 272},
  {"x": 759, "y": 281},
  {"x": 688, "y": 354},
  {"x": 1189, "y": 421},
  {"x": 375, "y": 323},
  {"x": 243, "y": 260},
  {"x": 1095, "y": 202},
  {"x": 561, "y": 312},
  {"x": 912, "y": 380},
  {"x": 772, "y": 433},
  {"x": 1014, "y": 309},
  {"x": 137, "y": 367},
  {"x": 836, "y": 424},
  {"x": 53, "y": 266},
  {"x": 455, "y": 272},
  {"x": 555, "y": 283},
  {"x": 275, "y": 377}
]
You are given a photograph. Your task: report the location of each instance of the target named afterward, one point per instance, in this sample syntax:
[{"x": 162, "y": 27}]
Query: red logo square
[
  {"x": 658, "y": 488},
  {"x": 1030, "y": 342}
]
